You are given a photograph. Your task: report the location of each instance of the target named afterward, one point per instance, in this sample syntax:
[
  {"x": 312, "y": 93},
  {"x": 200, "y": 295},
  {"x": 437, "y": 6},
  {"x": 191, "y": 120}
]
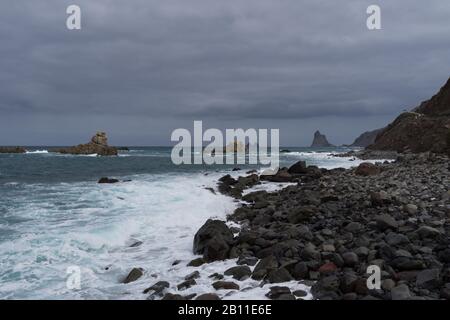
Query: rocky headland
[
  {"x": 425, "y": 128},
  {"x": 366, "y": 139}
]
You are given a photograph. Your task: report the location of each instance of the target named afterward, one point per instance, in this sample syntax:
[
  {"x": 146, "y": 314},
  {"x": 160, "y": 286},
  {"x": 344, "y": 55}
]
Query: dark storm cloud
[{"x": 150, "y": 66}]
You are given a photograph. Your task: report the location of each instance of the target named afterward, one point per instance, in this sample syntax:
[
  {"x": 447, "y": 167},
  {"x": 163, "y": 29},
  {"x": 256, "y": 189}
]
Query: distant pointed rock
[{"x": 320, "y": 141}]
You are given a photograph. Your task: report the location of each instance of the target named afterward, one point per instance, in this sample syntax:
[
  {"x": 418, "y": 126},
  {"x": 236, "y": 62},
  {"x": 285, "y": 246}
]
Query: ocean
[{"x": 54, "y": 216}]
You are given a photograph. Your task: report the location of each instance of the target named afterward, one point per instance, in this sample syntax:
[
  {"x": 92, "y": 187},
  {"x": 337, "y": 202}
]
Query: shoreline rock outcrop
[
  {"x": 98, "y": 145},
  {"x": 12, "y": 150}
]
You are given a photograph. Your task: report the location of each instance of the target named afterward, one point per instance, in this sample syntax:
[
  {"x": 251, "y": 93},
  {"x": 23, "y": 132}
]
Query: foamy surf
[{"x": 92, "y": 226}]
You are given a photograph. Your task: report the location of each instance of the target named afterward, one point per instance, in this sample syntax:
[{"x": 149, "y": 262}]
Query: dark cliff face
[
  {"x": 425, "y": 128},
  {"x": 320, "y": 140},
  {"x": 366, "y": 138}
]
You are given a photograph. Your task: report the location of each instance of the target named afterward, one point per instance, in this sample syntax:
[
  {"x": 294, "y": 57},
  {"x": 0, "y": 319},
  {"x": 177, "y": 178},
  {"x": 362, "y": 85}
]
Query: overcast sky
[{"x": 140, "y": 68}]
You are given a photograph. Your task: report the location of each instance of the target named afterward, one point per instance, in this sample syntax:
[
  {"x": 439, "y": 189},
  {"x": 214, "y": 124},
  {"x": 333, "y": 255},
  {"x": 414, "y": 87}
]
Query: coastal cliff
[
  {"x": 425, "y": 128},
  {"x": 366, "y": 139}
]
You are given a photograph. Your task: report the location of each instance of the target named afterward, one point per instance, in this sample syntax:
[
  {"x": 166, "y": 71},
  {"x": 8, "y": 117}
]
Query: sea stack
[
  {"x": 320, "y": 141},
  {"x": 98, "y": 145}
]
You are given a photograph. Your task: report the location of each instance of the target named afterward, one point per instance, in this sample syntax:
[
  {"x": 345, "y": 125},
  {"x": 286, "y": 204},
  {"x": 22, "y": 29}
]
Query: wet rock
[
  {"x": 279, "y": 275},
  {"x": 193, "y": 275},
  {"x": 196, "y": 262},
  {"x": 216, "y": 276},
  {"x": 286, "y": 297},
  {"x": 208, "y": 296},
  {"x": 136, "y": 244},
  {"x": 158, "y": 287},
  {"x": 225, "y": 285},
  {"x": 171, "y": 296},
  {"x": 239, "y": 272},
  {"x": 300, "y": 293},
  {"x": 276, "y": 292},
  {"x": 298, "y": 168},
  {"x": 107, "y": 180},
  {"x": 134, "y": 275},
  {"x": 213, "y": 240},
  {"x": 186, "y": 284},
  {"x": 250, "y": 261}
]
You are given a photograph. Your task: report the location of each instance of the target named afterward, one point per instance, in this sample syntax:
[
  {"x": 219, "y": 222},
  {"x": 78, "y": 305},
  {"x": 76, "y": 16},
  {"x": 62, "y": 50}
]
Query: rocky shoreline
[{"x": 325, "y": 231}]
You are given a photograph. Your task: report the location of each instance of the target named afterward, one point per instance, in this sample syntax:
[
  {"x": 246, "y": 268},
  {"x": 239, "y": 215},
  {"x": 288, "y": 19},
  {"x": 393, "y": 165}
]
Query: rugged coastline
[{"x": 325, "y": 231}]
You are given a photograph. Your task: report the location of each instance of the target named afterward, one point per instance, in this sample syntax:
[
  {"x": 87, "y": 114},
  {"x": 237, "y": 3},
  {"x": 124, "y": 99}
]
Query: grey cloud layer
[{"x": 218, "y": 60}]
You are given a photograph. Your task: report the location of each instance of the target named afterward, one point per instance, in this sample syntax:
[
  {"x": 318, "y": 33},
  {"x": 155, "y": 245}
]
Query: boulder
[
  {"x": 213, "y": 240},
  {"x": 208, "y": 296},
  {"x": 400, "y": 292},
  {"x": 225, "y": 285},
  {"x": 276, "y": 292},
  {"x": 107, "y": 180},
  {"x": 158, "y": 287},
  {"x": 428, "y": 279},
  {"x": 239, "y": 272},
  {"x": 134, "y": 275},
  {"x": 386, "y": 221},
  {"x": 298, "y": 168},
  {"x": 367, "y": 169},
  {"x": 428, "y": 232}
]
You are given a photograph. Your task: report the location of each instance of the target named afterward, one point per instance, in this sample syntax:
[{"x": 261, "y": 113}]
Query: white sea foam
[
  {"x": 36, "y": 152},
  {"x": 328, "y": 160},
  {"x": 91, "y": 226}
]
